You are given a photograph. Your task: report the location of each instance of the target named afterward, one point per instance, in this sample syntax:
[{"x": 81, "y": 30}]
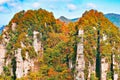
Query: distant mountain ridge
[
  {"x": 1, "y": 28},
  {"x": 115, "y": 18},
  {"x": 66, "y": 20}
]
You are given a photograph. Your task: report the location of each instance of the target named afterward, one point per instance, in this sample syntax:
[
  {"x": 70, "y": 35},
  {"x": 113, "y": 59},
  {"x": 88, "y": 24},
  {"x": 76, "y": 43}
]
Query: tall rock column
[
  {"x": 2, "y": 57},
  {"x": 104, "y": 69},
  {"x": 80, "y": 62},
  {"x": 36, "y": 42},
  {"x": 105, "y": 65},
  {"x": 115, "y": 68},
  {"x": 91, "y": 70},
  {"x": 19, "y": 64}
]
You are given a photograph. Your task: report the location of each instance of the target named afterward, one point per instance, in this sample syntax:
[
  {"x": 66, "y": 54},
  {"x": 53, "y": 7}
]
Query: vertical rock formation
[
  {"x": 91, "y": 70},
  {"x": 2, "y": 57},
  {"x": 28, "y": 64},
  {"x": 80, "y": 62},
  {"x": 24, "y": 66},
  {"x": 70, "y": 64},
  {"x": 115, "y": 68},
  {"x": 13, "y": 26},
  {"x": 104, "y": 69},
  {"x": 36, "y": 42},
  {"x": 19, "y": 64},
  {"x": 104, "y": 64}
]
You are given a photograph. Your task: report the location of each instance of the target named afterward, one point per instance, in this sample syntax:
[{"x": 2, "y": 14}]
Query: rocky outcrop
[
  {"x": 91, "y": 69},
  {"x": 115, "y": 68},
  {"x": 14, "y": 26},
  {"x": 24, "y": 66},
  {"x": 2, "y": 57},
  {"x": 19, "y": 64},
  {"x": 104, "y": 69},
  {"x": 70, "y": 64},
  {"x": 80, "y": 62},
  {"x": 36, "y": 43}
]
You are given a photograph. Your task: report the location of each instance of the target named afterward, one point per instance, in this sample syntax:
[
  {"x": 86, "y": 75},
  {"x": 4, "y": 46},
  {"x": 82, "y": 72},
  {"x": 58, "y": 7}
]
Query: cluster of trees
[
  {"x": 59, "y": 42},
  {"x": 101, "y": 40}
]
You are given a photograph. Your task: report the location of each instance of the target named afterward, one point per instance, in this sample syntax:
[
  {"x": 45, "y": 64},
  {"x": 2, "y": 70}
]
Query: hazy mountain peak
[
  {"x": 64, "y": 19},
  {"x": 114, "y": 18}
]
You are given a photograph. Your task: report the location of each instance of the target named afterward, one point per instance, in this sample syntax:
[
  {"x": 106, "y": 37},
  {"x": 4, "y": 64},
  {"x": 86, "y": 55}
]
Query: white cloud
[
  {"x": 71, "y": 7},
  {"x": 13, "y": 4},
  {"x": 4, "y": 1},
  {"x": 1, "y": 8},
  {"x": 36, "y": 5},
  {"x": 91, "y": 5}
]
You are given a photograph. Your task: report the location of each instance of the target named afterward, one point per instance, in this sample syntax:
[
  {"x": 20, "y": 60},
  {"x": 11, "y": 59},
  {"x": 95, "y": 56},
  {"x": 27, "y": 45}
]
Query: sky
[{"x": 68, "y": 8}]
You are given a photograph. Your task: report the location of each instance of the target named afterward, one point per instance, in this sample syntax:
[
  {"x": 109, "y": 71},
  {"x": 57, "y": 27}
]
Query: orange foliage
[
  {"x": 65, "y": 29},
  {"x": 51, "y": 72},
  {"x": 64, "y": 38}
]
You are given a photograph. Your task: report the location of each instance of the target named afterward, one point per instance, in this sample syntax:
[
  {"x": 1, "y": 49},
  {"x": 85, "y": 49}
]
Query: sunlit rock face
[
  {"x": 70, "y": 64},
  {"x": 14, "y": 26},
  {"x": 2, "y": 57},
  {"x": 23, "y": 67},
  {"x": 19, "y": 64},
  {"x": 36, "y": 43},
  {"x": 91, "y": 69},
  {"x": 115, "y": 66},
  {"x": 104, "y": 69},
  {"x": 80, "y": 62}
]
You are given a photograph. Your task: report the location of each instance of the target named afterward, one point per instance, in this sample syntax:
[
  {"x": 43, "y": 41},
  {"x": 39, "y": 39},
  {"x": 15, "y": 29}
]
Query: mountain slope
[
  {"x": 36, "y": 46},
  {"x": 1, "y": 29},
  {"x": 115, "y": 18},
  {"x": 99, "y": 37},
  {"x": 64, "y": 19},
  {"x": 74, "y": 19}
]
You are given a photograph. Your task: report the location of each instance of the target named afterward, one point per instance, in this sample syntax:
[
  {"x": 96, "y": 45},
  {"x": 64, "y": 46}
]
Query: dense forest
[{"x": 36, "y": 46}]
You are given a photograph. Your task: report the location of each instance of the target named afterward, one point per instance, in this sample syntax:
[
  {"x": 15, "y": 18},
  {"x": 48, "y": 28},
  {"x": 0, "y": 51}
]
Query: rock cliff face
[
  {"x": 36, "y": 43},
  {"x": 2, "y": 57},
  {"x": 99, "y": 45},
  {"x": 91, "y": 70},
  {"x": 115, "y": 68},
  {"x": 80, "y": 62},
  {"x": 104, "y": 69},
  {"x": 23, "y": 66}
]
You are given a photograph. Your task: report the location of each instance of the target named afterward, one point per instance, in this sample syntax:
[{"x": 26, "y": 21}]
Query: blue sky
[{"x": 68, "y": 8}]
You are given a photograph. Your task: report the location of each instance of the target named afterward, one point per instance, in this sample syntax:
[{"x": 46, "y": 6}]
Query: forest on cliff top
[{"x": 59, "y": 41}]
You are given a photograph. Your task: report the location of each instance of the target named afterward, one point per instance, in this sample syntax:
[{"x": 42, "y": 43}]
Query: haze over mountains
[{"x": 115, "y": 18}]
